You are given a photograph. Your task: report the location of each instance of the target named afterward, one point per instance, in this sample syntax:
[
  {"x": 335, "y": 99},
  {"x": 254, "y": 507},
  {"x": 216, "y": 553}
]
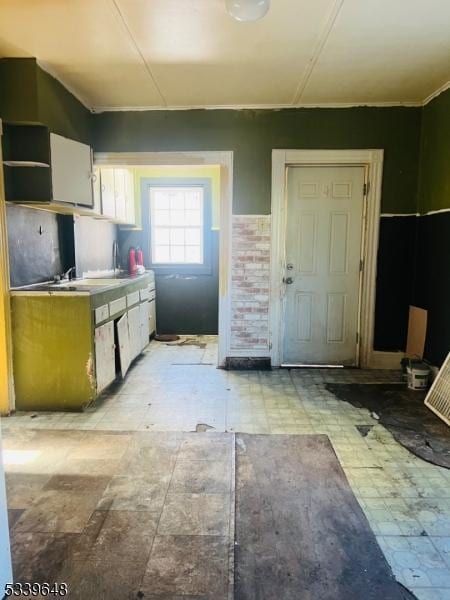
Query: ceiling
[{"x": 117, "y": 54}]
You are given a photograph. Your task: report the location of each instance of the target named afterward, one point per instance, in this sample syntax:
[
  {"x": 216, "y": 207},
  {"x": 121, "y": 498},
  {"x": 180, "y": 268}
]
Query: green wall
[
  {"x": 18, "y": 90},
  {"x": 252, "y": 134},
  {"x": 29, "y": 94},
  {"x": 434, "y": 181}
]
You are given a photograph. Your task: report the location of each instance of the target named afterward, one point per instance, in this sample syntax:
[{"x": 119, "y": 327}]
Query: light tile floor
[{"x": 177, "y": 388}]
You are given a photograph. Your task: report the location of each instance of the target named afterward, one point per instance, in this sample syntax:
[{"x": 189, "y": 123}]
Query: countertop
[{"x": 64, "y": 288}]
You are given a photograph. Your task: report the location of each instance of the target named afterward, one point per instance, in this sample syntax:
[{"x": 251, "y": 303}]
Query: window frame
[{"x": 204, "y": 268}]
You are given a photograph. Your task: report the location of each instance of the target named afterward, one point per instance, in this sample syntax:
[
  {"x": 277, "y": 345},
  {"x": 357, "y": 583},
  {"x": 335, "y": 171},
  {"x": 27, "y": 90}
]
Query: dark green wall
[
  {"x": 61, "y": 111},
  {"x": 18, "y": 90},
  {"x": 434, "y": 181},
  {"x": 252, "y": 134},
  {"x": 432, "y": 263},
  {"x": 29, "y": 94}
]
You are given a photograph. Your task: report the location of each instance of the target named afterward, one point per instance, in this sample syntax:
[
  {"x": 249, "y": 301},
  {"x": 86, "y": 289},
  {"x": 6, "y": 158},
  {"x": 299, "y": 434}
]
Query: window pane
[
  {"x": 161, "y": 254},
  {"x": 177, "y": 237},
  {"x": 177, "y": 201},
  {"x": 193, "y": 217},
  {"x": 177, "y": 224},
  {"x": 177, "y": 254},
  {"x": 192, "y": 236},
  {"x": 161, "y": 217},
  {"x": 177, "y": 217},
  {"x": 162, "y": 236},
  {"x": 193, "y": 254},
  {"x": 193, "y": 200},
  {"x": 159, "y": 201}
]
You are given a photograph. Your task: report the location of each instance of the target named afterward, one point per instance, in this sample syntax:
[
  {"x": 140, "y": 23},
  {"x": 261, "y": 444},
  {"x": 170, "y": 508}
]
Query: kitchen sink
[{"x": 90, "y": 282}]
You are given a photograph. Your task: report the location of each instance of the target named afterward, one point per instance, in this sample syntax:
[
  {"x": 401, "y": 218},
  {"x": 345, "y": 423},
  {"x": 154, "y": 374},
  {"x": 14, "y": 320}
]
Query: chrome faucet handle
[{"x": 68, "y": 274}]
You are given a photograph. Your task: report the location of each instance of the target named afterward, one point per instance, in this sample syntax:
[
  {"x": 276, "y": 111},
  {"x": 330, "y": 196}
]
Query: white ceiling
[{"x": 189, "y": 53}]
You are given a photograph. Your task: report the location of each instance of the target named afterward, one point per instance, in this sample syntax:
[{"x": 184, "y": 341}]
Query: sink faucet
[{"x": 68, "y": 274}]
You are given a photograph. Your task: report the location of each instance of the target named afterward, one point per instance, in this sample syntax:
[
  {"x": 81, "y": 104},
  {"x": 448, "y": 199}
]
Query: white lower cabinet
[
  {"x": 105, "y": 363},
  {"x": 133, "y": 333},
  {"x": 144, "y": 312},
  {"x": 134, "y": 330},
  {"x": 124, "y": 344}
]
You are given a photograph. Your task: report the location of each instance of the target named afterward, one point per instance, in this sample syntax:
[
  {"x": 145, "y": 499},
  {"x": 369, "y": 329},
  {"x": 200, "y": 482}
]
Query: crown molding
[
  {"x": 436, "y": 93},
  {"x": 101, "y": 109}
]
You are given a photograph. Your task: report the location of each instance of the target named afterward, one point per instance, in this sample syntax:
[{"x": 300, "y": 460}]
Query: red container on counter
[
  {"x": 139, "y": 257},
  {"x": 132, "y": 261}
]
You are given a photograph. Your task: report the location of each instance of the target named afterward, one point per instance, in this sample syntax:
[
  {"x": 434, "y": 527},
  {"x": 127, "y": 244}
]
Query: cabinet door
[
  {"x": 96, "y": 191},
  {"x": 124, "y": 344},
  {"x": 108, "y": 197},
  {"x": 152, "y": 317},
  {"x": 119, "y": 188},
  {"x": 129, "y": 198},
  {"x": 71, "y": 164},
  {"x": 105, "y": 360},
  {"x": 145, "y": 323},
  {"x": 134, "y": 328}
]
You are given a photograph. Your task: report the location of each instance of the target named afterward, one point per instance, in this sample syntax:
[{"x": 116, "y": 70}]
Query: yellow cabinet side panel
[{"x": 52, "y": 352}]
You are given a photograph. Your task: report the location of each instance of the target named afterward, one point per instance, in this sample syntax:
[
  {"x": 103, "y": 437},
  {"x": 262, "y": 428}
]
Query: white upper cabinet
[
  {"x": 119, "y": 187},
  {"x": 71, "y": 164},
  {"x": 117, "y": 194},
  {"x": 130, "y": 216},
  {"x": 108, "y": 193}
]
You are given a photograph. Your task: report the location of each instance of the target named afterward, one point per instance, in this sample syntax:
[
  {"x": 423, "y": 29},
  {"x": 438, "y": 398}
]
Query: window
[{"x": 177, "y": 225}]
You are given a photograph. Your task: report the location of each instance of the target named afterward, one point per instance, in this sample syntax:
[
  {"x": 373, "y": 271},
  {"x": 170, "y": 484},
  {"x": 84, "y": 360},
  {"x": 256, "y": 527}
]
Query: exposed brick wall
[{"x": 250, "y": 283}]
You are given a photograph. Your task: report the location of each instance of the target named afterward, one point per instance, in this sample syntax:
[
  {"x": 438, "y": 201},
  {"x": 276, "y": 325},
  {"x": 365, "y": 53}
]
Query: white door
[
  {"x": 105, "y": 357},
  {"x": 323, "y": 264},
  {"x": 144, "y": 314},
  {"x": 71, "y": 163},
  {"x": 124, "y": 344}
]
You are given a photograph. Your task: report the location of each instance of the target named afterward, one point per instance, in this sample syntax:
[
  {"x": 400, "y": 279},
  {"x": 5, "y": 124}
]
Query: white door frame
[
  {"x": 225, "y": 160},
  {"x": 372, "y": 160}
]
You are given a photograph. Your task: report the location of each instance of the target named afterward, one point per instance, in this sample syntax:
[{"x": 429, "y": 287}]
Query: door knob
[{"x": 288, "y": 280}]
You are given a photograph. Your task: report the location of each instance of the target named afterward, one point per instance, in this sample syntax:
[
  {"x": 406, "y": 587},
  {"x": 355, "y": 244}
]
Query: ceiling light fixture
[{"x": 247, "y": 10}]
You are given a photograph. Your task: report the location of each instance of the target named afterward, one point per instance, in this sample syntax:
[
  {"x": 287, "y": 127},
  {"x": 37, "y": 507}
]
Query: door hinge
[
  {"x": 361, "y": 265},
  {"x": 366, "y": 188}
]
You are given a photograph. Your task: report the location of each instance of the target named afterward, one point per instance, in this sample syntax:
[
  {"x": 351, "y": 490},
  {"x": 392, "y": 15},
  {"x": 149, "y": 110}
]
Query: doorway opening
[{"x": 183, "y": 230}]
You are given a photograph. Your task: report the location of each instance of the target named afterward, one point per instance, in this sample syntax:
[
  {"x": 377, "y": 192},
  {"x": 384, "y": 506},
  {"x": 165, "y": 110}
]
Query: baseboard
[
  {"x": 385, "y": 360},
  {"x": 248, "y": 363}
]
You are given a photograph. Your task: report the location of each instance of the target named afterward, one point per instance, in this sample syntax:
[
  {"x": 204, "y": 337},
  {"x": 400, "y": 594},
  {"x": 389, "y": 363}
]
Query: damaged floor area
[
  {"x": 176, "y": 388},
  {"x": 120, "y": 516}
]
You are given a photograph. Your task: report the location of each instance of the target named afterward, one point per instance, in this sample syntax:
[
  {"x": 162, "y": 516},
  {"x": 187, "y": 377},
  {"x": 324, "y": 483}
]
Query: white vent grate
[{"x": 438, "y": 398}]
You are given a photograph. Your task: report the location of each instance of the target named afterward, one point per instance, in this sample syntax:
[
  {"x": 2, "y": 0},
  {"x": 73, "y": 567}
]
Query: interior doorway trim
[
  {"x": 372, "y": 160},
  {"x": 225, "y": 160},
  {"x": 7, "y": 400}
]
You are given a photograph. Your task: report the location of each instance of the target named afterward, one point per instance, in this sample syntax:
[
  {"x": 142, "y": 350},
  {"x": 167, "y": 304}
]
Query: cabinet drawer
[
  {"x": 133, "y": 298},
  {"x": 144, "y": 294},
  {"x": 117, "y": 306},
  {"x": 101, "y": 313}
]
